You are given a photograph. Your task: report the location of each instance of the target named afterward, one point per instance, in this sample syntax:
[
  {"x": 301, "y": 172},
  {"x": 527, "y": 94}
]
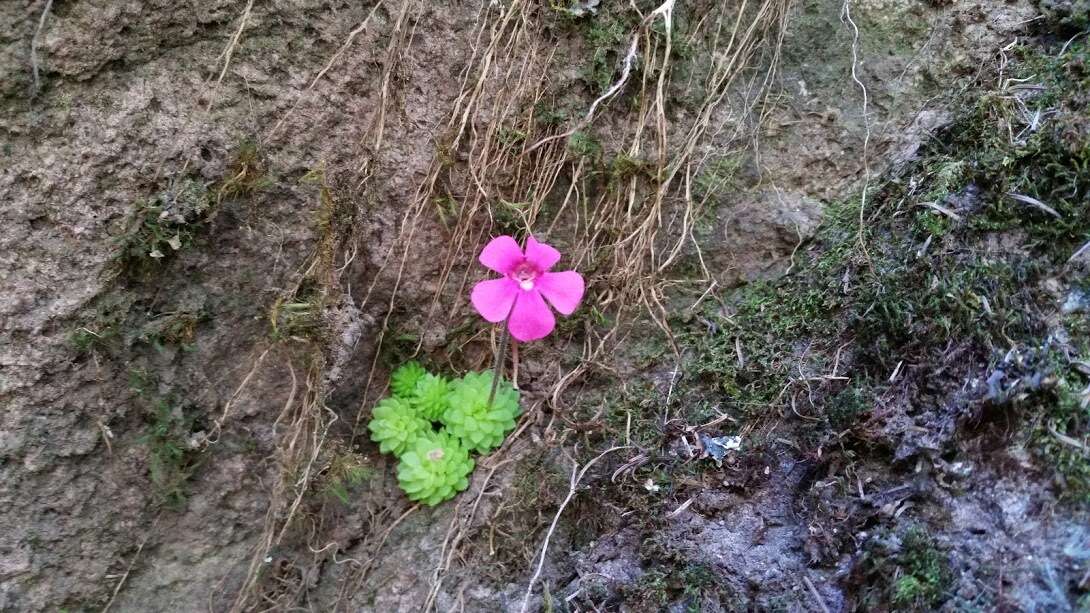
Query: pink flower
[{"x": 519, "y": 296}]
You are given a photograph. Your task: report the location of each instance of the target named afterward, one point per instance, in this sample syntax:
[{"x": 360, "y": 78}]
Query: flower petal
[
  {"x": 541, "y": 255},
  {"x": 493, "y": 298},
  {"x": 502, "y": 254},
  {"x": 563, "y": 289},
  {"x": 531, "y": 318}
]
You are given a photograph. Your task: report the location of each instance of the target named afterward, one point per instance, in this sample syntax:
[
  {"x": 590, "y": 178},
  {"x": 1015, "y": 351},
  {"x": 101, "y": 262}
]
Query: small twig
[
  {"x": 132, "y": 563},
  {"x": 1035, "y": 203},
  {"x": 629, "y": 59},
  {"x": 1080, "y": 251},
  {"x": 576, "y": 476},
  {"x": 896, "y": 371},
  {"x": 230, "y": 50},
  {"x": 941, "y": 209},
  {"x": 34, "y": 46},
  {"x": 846, "y": 15},
  {"x": 217, "y": 425},
  {"x": 344, "y": 47},
  {"x": 815, "y": 594},
  {"x": 1067, "y": 440},
  {"x": 681, "y": 509}
]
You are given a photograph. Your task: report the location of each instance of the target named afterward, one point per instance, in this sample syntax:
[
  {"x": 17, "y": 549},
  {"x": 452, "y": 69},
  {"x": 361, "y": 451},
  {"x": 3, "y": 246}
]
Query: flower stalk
[{"x": 501, "y": 355}]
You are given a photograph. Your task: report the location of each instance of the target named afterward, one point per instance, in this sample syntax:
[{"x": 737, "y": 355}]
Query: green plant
[
  {"x": 624, "y": 167},
  {"x": 1060, "y": 433},
  {"x": 431, "y": 397},
  {"x": 481, "y": 427},
  {"x": 403, "y": 380},
  {"x": 723, "y": 174},
  {"x": 927, "y": 570},
  {"x": 85, "y": 339},
  {"x": 434, "y": 468},
  {"x": 171, "y": 457},
  {"x": 175, "y": 328},
  {"x": 584, "y": 145},
  {"x": 245, "y": 176},
  {"x": 434, "y": 464},
  {"x": 910, "y": 573},
  {"x": 298, "y": 316},
  {"x": 345, "y": 471},
  {"x": 604, "y": 35},
  {"x": 395, "y": 424},
  {"x": 160, "y": 227}
]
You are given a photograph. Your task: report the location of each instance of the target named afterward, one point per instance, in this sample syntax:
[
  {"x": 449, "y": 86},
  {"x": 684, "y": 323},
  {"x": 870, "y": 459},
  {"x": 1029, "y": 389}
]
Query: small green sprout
[
  {"x": 431, "y": 396},
  {"x": 403, "y": 381},
  {"x": 395, "y": 425},
  {"x": 434, "y": 468},
  {"x": 481, "y": 427}
]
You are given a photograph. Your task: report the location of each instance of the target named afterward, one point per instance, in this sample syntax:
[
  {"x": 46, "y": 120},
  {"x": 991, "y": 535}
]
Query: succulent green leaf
[
  {"x": 395, "y": 424},
  {"x": 480, "y": 427},
  {"x": 434, "y": 468},
  {"x": 431, "y": 397},
  {"x": 403, "y": 380}
]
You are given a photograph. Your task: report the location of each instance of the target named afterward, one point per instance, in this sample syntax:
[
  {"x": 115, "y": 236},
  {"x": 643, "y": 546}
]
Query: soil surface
[{"x": 850, "y": 234}]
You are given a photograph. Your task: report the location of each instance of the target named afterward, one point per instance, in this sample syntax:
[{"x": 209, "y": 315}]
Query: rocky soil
[{"x": 225, "y": 222}]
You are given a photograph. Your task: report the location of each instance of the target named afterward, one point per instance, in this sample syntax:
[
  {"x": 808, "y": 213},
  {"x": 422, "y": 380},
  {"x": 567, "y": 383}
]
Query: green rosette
[
  {"x": 434, "y": 468},
  {"x": 431, "y": 397},
  {"x": 403, "y": 380},
  {"x": 395, "y": 424},
  {"x": 481, "y": 427}
]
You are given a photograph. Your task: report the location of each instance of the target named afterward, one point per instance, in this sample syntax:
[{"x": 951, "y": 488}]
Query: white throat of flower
[{"x": 525, "y": 275}]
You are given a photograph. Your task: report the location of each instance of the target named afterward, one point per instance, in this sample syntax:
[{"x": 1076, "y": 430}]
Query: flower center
[
  {"x": 435, "y": 454},
  {"x": 525, "y": 274}
]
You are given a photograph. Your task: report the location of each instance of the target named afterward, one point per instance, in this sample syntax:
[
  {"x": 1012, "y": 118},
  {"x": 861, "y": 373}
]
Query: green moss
[
  {"x": 634, "y": 414},
  {"x": 178, "y": 328},
  {"x": 910, "y": 575},
  {"x": 298, "y": 316},
  {"x": 104, "y": 328},
  {"x": 1073, "y": 15},
  {"x": 345, "y": 472},
  {"x": 742, "y": 350},
  {"x": 846, "y": 407},
  {"x": 624, "y": 167},
  {"x": 118, "y": 323},
  {"x": 245, "y": 176},
  {"x": 604, "y": 35},
  {"x": 172, "y": 220},
  {"x": 722, "y": 174},
  {"x": 547, "y": 114},
  {"x": 85, "y": 339},
  {"x": 584, "y": 145},
  {"x": 678, "y": 585},
  {"x": 172, "y": 459},
  {"x": 911, "y": 282},
  {"x": 1061, "y": 435},
  {"x": 650, "y": 593},
  {"x": 509, "y": 217}
]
